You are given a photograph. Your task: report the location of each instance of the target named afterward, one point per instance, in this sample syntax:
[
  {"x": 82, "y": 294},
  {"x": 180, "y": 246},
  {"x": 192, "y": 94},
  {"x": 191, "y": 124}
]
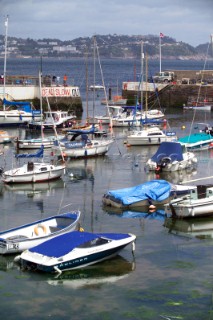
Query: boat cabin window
[
  {"x": 30, "y": 166},
  {"x": 94, "y": 243},
  {"x": 44, "y": 169},
  {"x": 155, "y": 134}
]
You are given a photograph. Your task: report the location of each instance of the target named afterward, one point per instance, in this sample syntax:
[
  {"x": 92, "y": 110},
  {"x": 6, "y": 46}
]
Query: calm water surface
[{"x": 170, "y": 275}]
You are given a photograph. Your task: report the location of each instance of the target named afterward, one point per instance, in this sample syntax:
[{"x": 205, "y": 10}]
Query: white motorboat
[
  {"x": 74, "y": 250},
  {"x": 53, "y": 119},
  {"x": 32, "y": 234},
  {"x": 150, "y": 136},
  {"x": 4, "y": 137},
  {"x": 198, "y": 203},
  {"x": 170, "y": 156},
  {"x": 96, "y": 87}
]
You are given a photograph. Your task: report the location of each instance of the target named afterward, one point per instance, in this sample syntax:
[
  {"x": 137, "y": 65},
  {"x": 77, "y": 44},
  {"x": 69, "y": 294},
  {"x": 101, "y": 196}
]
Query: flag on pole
[{"x": 161, "y": 35}]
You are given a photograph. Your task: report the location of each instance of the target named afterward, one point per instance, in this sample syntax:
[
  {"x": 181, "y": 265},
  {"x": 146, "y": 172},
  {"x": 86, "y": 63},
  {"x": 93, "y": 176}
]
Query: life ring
[
  {"x": 40, "y": 228},
  {"x": 56, "y": 118}
]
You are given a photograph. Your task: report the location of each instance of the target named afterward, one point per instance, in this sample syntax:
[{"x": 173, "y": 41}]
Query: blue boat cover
[
  {"x": 22, "y": 105},
  {"x": 38, "y": 154},
  {"x": 172, "y": 150},
  {"x": 63, "y": 244},
  {"x": 83, "y": 131},
  {"x": 158, "y": 190}
]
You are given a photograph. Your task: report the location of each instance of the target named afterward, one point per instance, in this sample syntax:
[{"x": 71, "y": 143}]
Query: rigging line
[
  {"x": 102, "y": 77},
  {"x": 199, "y": 90},
  {"x": 55, "y": 131}
]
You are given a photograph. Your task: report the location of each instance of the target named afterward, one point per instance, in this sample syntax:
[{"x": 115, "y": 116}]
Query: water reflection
[
  {"x": 7, "y": 263},
  {"x": 79, "y": 172},
  {"x": 176, "y": 177},
  {"x": 159, "y": 214},
  {"x": 34, "y": 190},
  {"x": 201, "y": 228},
  {"x": 109, "y": 271}
]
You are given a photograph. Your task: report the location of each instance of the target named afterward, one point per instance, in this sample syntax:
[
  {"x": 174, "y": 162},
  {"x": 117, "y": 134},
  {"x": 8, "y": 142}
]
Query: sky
[{"x": 190, "y": 21}]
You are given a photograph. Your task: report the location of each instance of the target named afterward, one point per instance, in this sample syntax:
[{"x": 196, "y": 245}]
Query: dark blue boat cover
[
  {"x": 63, "y": 244},
  {"x": 38, "y": 154},
  {"x": 158, "y": 190},
  {"x": 172, "y": 150}
]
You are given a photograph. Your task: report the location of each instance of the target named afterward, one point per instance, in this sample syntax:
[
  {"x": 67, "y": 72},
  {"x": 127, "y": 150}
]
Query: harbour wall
[
  {"x": 169, "y": 95},
  {"x": 60, "y": 97}
]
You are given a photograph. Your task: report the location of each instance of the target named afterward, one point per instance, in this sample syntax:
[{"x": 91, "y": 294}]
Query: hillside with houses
[{"x": 110, "y": 46}]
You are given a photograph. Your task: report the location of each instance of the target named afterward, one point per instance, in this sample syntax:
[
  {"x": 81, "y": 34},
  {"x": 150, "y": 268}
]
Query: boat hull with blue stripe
[{"x": 74, "y": 250}]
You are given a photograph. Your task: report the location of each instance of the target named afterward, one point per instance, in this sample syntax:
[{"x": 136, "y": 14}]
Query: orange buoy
[{"x": 152, "y": 208}]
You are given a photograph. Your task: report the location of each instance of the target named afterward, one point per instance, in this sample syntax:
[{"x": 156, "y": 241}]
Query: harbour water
[{"x": 170, "y": 274}]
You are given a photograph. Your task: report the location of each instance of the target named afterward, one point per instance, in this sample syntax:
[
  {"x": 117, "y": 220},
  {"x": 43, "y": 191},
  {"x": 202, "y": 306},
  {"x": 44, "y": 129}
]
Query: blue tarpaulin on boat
[
  {"x": 21, "y": 105},
  {"x": 158, "y": 190},
  {"x": 172, "y": 150}
]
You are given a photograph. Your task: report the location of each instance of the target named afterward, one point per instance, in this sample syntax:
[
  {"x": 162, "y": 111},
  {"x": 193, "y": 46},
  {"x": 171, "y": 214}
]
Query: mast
[
  {"x": 87, "y": 84},
  {"x": 142, "y": 57},
  {"x": 5, "y": 57},
  {"x": 94, "y": 48},
  {"x": 41, "y": 106},
  {"x": 146, "y": 86}
]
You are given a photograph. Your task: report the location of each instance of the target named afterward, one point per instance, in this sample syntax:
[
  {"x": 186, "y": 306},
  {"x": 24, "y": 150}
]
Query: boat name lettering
[
  {"x": 171, "y": 133},
  {"x": 14, "y": 246}
]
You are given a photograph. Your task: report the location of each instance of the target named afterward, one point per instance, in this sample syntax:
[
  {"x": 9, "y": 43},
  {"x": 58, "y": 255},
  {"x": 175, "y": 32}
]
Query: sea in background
[{"x": 170, "y": 274}]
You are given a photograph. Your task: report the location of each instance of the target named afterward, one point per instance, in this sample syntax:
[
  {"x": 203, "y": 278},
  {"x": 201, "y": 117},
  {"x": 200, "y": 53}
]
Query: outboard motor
[
  {"x": 162, "y": 164},
  {"x": 1, "y": 171}
]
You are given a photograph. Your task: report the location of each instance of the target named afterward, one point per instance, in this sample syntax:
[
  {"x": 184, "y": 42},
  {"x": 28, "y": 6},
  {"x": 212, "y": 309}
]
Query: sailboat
[
  {"x": 149, "y": 134},
  {"x": 34, "y": 171},
  {"x": 136, "y": 116},
  {"x": 80, "y": 145},
  {"x": 36, "y": 143},
  {"x": 15, "y": 113}
]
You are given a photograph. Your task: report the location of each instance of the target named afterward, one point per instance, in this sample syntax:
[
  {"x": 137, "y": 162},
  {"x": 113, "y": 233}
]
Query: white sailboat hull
[
  {"x": 97, "y": 148},
  {"x": 40, "y": 172},
  {"x": 15, "y": 117}
]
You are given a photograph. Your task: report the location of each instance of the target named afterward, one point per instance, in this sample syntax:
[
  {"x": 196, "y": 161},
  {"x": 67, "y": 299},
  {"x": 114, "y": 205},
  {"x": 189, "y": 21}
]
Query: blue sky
[{"x": 190, "y": 21}]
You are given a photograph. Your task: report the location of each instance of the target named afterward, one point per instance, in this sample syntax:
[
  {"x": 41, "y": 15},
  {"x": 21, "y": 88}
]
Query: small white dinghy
[
  {"x": 74, "y": 250},
  {"x": 29, "y": 235}
]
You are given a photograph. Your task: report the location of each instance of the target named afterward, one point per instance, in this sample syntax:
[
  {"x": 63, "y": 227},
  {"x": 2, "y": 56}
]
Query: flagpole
[{"x": 160, "y": 50}]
